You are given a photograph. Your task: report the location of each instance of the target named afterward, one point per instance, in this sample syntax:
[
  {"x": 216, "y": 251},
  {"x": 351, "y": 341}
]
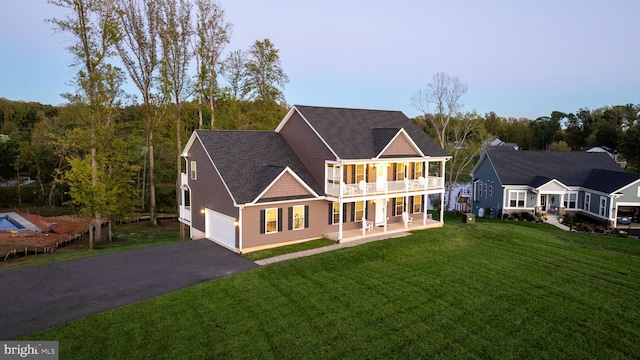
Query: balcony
[{"x": 380, "y": 188}]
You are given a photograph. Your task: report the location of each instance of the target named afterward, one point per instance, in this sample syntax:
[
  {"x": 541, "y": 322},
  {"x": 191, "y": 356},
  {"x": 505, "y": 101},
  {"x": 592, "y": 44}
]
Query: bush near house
[{"x": 581, "y": 222}]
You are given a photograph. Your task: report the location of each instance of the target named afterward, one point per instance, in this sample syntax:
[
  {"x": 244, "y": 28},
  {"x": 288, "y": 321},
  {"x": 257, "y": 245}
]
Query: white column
[
  {"x": 442, "y": 207},
  {"x": 340, "y": 221}
]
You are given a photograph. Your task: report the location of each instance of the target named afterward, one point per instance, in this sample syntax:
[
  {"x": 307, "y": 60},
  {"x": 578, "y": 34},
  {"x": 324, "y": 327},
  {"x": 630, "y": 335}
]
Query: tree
[
  {"x": 175, "y": 35},
  {"x": 138, "y": 50},
  {"x": 444, "y": 93},
  {"x": 264, "y": 74},
  {"x": 92, "y": 24},
  {"x": 234, "y": 71},
  {"x": 467, "y": 136},
  {"x": 213, "y": 34},
  {"x": 559, "y": 146}
]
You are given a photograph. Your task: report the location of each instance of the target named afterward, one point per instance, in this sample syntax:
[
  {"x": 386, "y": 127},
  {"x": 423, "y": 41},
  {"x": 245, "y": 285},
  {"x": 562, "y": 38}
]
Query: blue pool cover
[{"x": 7, "y": 225}]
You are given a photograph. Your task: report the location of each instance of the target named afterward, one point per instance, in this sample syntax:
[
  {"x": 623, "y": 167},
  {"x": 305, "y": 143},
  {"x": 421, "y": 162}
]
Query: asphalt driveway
[{"x": 38, "y": 297}]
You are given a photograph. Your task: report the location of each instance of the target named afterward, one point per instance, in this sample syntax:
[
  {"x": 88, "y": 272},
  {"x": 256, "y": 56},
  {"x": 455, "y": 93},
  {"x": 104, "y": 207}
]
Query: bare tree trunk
[
  {"x": 91, "y": 227},
  {"x": 152, "y": 181},
  {"x": 179, "y": 157},
  {"x": 110, "y": 230}
]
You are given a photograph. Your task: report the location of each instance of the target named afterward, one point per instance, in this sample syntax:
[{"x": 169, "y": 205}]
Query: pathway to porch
[
  {"x": 343, "y": 244},
  {"x": 352, "y": 238}
]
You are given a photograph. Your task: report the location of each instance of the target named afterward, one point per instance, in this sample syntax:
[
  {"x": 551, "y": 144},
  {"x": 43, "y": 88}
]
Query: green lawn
[{"x": 494, "y": 289}]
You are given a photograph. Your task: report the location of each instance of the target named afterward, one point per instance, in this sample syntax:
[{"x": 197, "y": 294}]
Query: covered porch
[{"x": 373, "y": 231}]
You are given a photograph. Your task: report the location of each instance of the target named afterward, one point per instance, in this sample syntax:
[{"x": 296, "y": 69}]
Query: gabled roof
[
  {"x": 572, "y": 168},
  {"x": 350, "y": 133},
  {"x": 609, "y": 181},
  {"x": 249, "y": 161}
]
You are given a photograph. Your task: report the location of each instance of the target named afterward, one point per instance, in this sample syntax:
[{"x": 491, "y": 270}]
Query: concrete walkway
[
  {"x": 330, "y": 248},
  {"x": 555, "y": 221}
]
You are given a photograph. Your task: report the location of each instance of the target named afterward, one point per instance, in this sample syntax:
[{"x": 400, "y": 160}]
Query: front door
[
  {"x": 380, "y": 211},
  {"x": 543, "y": 202}
]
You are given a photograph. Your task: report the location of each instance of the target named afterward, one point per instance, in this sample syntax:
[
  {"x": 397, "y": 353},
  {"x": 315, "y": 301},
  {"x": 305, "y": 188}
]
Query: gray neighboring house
[
  {"x": 557, "y": 182},
  {"x": 324, "y": 172}
]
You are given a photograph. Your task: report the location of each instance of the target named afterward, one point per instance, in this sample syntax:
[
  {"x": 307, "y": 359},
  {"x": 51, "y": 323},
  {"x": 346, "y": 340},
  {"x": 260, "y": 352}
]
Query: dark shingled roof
[
  {"x": 350, "y": 132},
  {"x": 608, "y": 181},
  {"x": 249, "y": 161},
  {"x": 596, "y": 171}
]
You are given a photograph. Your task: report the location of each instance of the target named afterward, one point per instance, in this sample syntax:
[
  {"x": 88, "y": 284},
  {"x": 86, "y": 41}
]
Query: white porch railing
[{"x": 372, "y": 188}]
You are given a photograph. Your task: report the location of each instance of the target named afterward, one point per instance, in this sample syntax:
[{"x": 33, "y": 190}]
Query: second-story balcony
[{"x": 385, "y": 187}]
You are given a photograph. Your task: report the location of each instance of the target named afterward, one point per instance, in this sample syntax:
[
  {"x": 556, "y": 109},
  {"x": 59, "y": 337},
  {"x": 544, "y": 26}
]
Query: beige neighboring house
[{"x": 338, "y": 173}]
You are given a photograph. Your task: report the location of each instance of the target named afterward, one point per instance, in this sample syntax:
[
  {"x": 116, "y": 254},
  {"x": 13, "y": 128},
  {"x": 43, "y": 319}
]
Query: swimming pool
[
  {"x": 11, "y": 221},
  {"x": 6, "y": 224}
]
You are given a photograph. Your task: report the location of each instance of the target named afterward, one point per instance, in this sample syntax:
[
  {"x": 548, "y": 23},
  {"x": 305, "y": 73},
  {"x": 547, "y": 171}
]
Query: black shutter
[
  {"x": 330, "y": 213},
  {"x": 279, "y": 219},
  {"x": 353, "y": 174},
  {"x": 353, "y": 212},
  {"x": 261, "y": 221},
  {"x": 290, "y": 219},
  {"x": 422, "y": 204},
  {"x": 306, "y": 216},
  {"x": 344, "y": 212},
  {"x": 393, "y": 206},
  {"x": 410, "y": 209}
]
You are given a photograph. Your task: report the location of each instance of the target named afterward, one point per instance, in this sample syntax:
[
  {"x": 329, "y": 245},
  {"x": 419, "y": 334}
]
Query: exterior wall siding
[
  {"x": 285, "y": 186},
  {"x": 400, "y": 146},
  {"x": 307, "y": 146},
  {"x": 486, "y": 174},
  {"x": 210, "y": 190},
  {"x": 251, "y": 236}
]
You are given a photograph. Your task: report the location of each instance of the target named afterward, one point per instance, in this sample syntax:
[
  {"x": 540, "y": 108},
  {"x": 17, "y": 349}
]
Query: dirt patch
[{"x": 59, "y": 229}]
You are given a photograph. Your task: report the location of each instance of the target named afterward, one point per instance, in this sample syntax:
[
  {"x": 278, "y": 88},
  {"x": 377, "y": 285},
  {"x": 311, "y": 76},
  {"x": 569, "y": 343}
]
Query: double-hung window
[
  {"x": 271, "y": 221},
  {"x": 417, "y": 203},
  {"x": 399, "y": 208},
  {"x": 359, "y": 173},
  {"x": 298, "y": 217},
  {"x": 193, "y": 170},
  {"x": 400, "y": 171},
  {"x": 603, "y": 206},
  {"x": 417, "y": 170},
  {"x": 335, "y": 214},
  {"x": 517, "y": 198},
  {"x": 571, "y": 200},
  {"x": 359, "y": 210},
  {"x": 587, "y": 202}
]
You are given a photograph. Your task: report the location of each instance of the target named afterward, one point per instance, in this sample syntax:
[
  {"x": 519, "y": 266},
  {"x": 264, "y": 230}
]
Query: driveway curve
[{"x": 38, "y": 297}]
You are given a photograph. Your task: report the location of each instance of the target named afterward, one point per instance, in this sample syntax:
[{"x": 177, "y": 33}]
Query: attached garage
[{"x": 220, "y": 228}]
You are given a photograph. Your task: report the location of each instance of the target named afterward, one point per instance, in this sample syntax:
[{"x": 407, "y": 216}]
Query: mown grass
[
  {"x": 494, "y": 289},
  {"x": 126, "y": 237}
]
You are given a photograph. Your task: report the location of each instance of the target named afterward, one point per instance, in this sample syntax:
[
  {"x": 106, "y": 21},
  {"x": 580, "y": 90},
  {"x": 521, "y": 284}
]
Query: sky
[{"x": 519, "y": 58}]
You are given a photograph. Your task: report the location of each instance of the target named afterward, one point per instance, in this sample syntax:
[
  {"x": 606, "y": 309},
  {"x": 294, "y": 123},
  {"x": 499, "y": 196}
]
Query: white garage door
[{"x": 220, "y": 228}]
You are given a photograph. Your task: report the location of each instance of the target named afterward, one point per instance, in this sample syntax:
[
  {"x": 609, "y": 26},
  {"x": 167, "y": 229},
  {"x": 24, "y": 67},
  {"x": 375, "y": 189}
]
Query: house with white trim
[
  {"x": 557, "y": 182},
  {"x": 338, "y": 173}
]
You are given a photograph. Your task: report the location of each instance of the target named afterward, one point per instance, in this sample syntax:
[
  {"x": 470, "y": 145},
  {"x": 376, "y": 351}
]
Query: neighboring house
[
  {"x": 605, "y": 149},
  {"x": 333, "y": 172},
  {"x": 528, "y": 181},
  {"x": 500, "y": 145}
]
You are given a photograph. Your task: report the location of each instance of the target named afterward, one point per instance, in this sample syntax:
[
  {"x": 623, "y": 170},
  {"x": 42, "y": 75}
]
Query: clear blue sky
[{"x": 519, "y": 58}]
